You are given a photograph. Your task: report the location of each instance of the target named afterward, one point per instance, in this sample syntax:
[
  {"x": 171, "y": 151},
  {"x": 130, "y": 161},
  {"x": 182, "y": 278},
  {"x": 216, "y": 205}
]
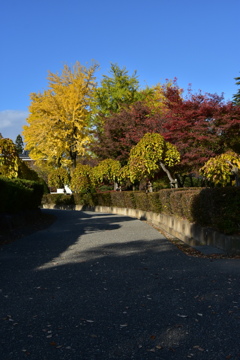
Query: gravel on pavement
[{"x": 102, "y": 286}]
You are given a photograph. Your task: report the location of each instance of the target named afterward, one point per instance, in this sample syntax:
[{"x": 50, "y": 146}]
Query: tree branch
[{"x": 173, "y": 182}]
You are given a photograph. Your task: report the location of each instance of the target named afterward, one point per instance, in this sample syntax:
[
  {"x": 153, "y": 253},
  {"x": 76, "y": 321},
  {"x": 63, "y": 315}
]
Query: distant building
[{"x": 25, "y": 157}]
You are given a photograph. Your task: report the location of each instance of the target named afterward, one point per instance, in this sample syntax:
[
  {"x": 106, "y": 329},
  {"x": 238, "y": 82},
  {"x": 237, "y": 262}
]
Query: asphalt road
[{"x": 102, "y": 286}]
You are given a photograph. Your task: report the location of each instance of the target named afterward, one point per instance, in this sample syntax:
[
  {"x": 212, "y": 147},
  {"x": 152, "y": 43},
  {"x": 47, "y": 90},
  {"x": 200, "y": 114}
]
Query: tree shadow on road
[{"x": 93, "y": 286}]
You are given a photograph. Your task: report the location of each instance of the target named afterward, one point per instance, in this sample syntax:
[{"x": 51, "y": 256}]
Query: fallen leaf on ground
[
  {"x": 198, "y": 347},
  {"x": 53, "y": 343}
]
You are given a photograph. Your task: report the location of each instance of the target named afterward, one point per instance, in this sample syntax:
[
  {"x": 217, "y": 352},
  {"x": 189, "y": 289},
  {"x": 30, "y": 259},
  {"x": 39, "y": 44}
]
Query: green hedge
[
  {"x": 118, "y": 199},
  {"x": 18, "y": 195},
  {"x": 217, "y": 208},
  {"x": 129, "y": 198},
  {"x": 104, "y": 199}
]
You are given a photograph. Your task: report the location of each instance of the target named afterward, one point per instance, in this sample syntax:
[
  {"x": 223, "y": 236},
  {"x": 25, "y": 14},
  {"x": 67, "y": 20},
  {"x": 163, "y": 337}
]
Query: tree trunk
[
  {"x": 180, "y": 181},
  {"x": 173, "y": 182},
  {"x": 235, "y": 171},
  {"x": 73, "y": 157}
]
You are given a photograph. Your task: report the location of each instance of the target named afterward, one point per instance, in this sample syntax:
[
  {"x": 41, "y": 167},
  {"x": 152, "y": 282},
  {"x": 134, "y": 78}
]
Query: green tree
[
  {"x": 150, "y": 154},
  {"x": 236, "y": 97},
  {"x": 115, "y": 91},
  {"x": 19, "y": 144},
  {"x": 58, "y": 120}
]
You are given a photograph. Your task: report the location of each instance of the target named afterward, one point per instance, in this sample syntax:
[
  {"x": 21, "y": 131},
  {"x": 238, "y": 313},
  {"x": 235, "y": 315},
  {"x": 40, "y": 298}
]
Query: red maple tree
[
  {"x": 200, "y": 126},
  {"x": 124, "y": 130}
]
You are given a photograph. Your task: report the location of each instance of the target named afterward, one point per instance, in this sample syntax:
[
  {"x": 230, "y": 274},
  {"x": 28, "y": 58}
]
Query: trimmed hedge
[
  {"x": 117, "y": 198},
  {"x": 129, "y": 198},
  {"x": 17, "y": 195},
  {"x": 104, "y": 199},
  {"x": 141, "y": 201},
  {"x": 217, "y": 208}
]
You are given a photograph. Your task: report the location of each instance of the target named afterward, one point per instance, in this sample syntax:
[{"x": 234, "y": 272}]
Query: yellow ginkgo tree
[
  {"x": 57, "y": 128},
  {"x": 222, "y": 169}
]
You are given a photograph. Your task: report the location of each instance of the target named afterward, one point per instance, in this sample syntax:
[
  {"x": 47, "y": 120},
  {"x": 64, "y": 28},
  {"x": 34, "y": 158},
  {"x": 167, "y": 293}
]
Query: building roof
[{"x": 25, "y": 156}]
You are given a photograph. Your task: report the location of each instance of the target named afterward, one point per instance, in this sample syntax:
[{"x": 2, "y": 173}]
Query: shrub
[
  {"x": 18, "y": 194},
  {"x": 164, "y": 197},
  {"x": 187, "y": 201},
  {"x": 81, "y": 179},
  {"x": 104, "y": 199},
  {"x": 176, "y": 203},
  {"x": 87, "y": 199},
  {"x": 129, "y": 199},
  {"x": 155, "y": 204},
  {"x": 214, "y": 207},
  {"x": 9, "y": 160},
  {"x": 58, "y": 178},
  {"x": 118, "y": 199},
  {"x": 218, "y": 208},
  {"x": 159, "y": 184},
  {"x": 141, "y": 200}
]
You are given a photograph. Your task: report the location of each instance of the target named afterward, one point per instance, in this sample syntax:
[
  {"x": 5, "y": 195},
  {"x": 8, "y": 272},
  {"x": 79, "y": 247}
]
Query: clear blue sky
[{"x": 195, "y": 41}]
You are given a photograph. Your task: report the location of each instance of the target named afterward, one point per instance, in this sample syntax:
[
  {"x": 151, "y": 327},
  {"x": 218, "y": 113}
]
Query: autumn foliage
[
  {"x": 109, "y": 122},
  {"x": 151, "y": 153},
  {"x": 9, "y": 160},
  {"x": 223, "y": 169},
  {"x": 57, "y": 127},
  {"x": 124, "y": 130},
  {"x": 201, "y": 126}
]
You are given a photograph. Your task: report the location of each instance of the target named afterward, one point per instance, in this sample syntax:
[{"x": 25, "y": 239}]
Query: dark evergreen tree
[
  {"x": 236, "y": 97},
  {"x": 19, "y": 144}
]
